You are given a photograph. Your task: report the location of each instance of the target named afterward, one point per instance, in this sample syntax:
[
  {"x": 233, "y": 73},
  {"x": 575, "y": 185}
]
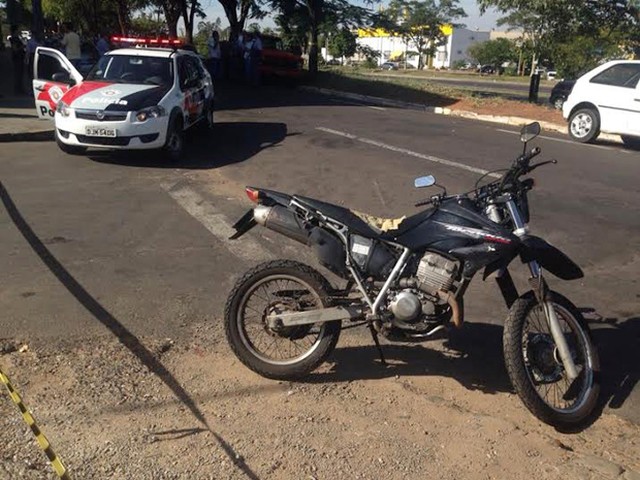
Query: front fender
[{"x": 549, "y": 258}]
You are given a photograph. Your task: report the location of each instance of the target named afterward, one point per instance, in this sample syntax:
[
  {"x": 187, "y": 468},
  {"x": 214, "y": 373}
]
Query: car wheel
[
  {"x": 584, "y": 125},
  {"x": 558, "y": 102},
  {"x": 631, "y": 142},
  {"x": 70, "y": 149},
  {"x": 174, "y": 144},
  {"x": 208, "y": 117}
]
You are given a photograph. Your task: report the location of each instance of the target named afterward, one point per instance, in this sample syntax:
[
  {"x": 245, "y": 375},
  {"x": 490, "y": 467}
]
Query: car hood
[{"x": 114, "y": 96}]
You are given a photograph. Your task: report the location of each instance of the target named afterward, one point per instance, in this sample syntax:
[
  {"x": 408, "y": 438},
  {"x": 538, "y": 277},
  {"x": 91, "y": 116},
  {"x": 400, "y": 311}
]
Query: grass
[
  {"x": 432, "y": 94},
  {"x": 404, "y": 89}
]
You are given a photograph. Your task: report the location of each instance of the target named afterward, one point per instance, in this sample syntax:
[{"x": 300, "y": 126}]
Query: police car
[{"x": 133, "y": 98}]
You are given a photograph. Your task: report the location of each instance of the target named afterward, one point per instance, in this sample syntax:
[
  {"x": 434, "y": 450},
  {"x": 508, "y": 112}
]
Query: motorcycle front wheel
[
  {"x": 534, "y": 366},
  {"x": 282, "y": 353}
]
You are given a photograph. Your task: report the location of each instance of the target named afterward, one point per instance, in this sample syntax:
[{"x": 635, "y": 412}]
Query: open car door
[{"x": 53, "y": 75}]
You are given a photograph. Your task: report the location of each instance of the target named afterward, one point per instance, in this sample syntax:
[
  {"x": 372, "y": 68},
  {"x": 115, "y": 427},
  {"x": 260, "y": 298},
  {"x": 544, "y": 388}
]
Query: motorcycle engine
[
  {"x": 410, "y": 306},
  {"x": 436, "y": 272}
]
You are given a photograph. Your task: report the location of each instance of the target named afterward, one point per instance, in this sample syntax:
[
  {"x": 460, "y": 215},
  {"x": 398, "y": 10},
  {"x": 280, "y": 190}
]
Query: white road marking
[
  {"x": 564, "y": 140},
  {"x": 214, "y": 221},
  {"x": 378, "y": 108},
  {"x": 422, "y": 156}
]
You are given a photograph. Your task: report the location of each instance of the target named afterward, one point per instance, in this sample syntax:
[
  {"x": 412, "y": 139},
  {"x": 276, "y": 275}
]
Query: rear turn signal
[{"x": 253, "y": 194}]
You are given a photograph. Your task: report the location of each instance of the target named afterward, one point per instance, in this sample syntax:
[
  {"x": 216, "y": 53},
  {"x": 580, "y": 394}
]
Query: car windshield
[{"x": 133, "y": 69}]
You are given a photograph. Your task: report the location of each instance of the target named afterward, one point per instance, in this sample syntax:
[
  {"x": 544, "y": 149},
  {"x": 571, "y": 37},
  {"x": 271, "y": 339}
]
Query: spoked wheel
[
  {"x": 533, "y": 361},
  {"x": 262, "y": 344}
]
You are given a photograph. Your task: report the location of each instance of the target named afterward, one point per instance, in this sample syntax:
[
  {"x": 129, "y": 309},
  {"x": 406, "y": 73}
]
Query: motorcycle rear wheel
[
  {"x": 534, "y": 365},
  {"x": 284, "y": 353}
]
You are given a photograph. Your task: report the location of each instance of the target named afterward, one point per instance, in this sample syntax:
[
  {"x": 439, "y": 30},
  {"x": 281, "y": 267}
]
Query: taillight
[{"x": 253, "y": 194}]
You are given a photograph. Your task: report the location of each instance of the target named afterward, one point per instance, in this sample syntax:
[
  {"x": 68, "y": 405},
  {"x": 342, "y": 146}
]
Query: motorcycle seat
[{"x": 364, "y": 224}]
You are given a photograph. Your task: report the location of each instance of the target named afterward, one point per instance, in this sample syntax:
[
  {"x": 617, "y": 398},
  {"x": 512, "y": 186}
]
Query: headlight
[
  {"x": 151, "y": 112},
  {"x": 63, "y": 108}
]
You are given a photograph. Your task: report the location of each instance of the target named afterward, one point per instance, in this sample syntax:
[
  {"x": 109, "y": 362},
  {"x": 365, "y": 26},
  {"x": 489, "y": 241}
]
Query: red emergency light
[{"x": 173, "y": 42}]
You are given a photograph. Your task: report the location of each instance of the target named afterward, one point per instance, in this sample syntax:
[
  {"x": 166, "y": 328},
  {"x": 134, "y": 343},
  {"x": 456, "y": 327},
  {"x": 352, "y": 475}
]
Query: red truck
[{"x": 278, "y": 62}]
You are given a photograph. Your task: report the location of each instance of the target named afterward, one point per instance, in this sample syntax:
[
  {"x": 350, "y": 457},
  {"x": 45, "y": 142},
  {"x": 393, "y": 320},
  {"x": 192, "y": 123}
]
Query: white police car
[{"x": 133, "y": 98}]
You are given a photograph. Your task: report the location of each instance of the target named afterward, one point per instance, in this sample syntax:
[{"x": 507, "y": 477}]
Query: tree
[
  {"x": 493, "y": 52},
  {"x": 148, "y": 26},
  {"x": 343, "y": 44},
  {"x": 238, "y": 12},
  {"x": 314, "y": 16},
  {"x": 550, "y": 25},
  {"x": 205, "y": 29},
  {"x": 420, "y": 23},
  {"x": 370, "y": 55}
]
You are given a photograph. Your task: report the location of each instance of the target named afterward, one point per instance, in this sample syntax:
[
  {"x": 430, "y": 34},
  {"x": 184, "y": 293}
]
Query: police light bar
[{"x": 147, "y": 41}]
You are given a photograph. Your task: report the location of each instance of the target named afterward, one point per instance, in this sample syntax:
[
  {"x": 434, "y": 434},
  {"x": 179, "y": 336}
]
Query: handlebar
[{"x": 526, "y": 158}]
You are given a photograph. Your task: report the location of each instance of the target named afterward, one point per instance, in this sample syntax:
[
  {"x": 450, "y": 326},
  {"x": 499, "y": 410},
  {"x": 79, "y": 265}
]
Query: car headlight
[
  {"x": 151, "y": 112},
  {"x": 63, "y": 109}
]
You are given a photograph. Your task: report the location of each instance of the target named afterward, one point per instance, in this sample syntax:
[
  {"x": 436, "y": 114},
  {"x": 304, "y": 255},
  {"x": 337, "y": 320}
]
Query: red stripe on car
[{"x": 82, "y": 89}]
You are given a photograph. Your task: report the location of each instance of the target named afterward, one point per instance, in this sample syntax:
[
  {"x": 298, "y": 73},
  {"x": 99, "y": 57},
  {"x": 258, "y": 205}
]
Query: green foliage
[
  {"x": 343, "y": 44},
  {"x": 148, "y": 25},
  {"x": 582, "y": 53},
  {"x": 368, "y": 53},
  {"x": 418, "y": 22},
  {"x": 494, "y": 52},
  {"x": 205, "y": 29},
  {"x": 556, "y": 27}
]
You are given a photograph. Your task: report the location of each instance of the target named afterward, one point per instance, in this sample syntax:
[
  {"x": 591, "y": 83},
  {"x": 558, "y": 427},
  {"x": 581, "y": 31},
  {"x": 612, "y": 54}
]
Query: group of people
[
  {"x": 68, "y": 41},
  {"x": 242, "y": 58}
]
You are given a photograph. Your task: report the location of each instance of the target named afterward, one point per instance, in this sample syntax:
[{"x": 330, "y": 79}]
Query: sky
[{"x": 473, "y": 20}]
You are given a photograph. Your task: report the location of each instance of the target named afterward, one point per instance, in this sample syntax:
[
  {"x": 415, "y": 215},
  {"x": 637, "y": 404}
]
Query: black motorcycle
[{"x": 406, "y": 279}]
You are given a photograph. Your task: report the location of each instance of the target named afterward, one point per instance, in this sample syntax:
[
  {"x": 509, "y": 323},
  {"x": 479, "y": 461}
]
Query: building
[{"x": 393, "y": 48}]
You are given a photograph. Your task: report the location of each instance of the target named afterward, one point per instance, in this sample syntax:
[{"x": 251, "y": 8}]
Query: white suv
[
  {"x": 133, "y": 98},
  {"x": 606, "y": 99}
]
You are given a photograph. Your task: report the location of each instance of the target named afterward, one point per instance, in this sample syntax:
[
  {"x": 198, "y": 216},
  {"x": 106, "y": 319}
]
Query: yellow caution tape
[{"x": 55, "y": 461}]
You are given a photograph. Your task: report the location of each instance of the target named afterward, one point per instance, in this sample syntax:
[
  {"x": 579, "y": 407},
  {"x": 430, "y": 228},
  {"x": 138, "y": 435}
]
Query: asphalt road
[{"x": 94, "y": 245}]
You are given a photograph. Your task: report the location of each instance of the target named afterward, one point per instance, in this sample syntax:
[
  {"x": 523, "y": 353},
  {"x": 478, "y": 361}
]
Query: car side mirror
[
  {"x": 63, "y": 77},
  {"x": 426, "y": 181}
]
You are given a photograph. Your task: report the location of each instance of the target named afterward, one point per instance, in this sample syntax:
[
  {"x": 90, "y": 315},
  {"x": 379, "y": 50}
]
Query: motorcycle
[{"x": 406, "y": 279}]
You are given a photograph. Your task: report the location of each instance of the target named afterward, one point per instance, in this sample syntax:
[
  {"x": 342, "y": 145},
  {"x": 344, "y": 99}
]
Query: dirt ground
[
  {"x": 185, "y": 408},
  {"x": 502, "y": 107}
]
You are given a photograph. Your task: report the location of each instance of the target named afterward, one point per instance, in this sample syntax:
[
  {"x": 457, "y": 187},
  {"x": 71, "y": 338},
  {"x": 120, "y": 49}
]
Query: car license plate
[{"x": 100, "y": 132}]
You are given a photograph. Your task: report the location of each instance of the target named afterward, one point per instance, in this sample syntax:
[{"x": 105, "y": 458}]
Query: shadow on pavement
[
  {"x": 473, "y": 357},
  {"x": 228, "y": 143},
  {"x": 618, "y": 343},
  {"x": 128, "y": 339}
]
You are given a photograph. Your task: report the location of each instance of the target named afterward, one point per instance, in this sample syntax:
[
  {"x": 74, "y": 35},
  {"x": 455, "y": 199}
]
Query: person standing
[
  {"x": 215, "y": 54},
  {"x": 17, "y": 58},
  {"x": 102, "y": 45},
  {"x": 255, "y": 55},
  {"x": 33, "y": 43},
  {"x": 71, "y": 43}
]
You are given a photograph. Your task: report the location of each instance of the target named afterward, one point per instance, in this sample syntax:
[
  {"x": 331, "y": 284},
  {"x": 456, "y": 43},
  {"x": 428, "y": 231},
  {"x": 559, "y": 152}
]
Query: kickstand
[{"x": 374, "y": 334}]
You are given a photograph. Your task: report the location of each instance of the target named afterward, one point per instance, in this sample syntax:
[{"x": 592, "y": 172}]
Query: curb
[
  {"x": 36, "y": 136},
  {"x": 504, "y": 120}
]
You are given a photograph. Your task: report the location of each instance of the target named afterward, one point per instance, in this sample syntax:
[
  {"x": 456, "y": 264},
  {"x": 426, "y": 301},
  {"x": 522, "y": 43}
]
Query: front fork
[{"x": 541, "y": 292}]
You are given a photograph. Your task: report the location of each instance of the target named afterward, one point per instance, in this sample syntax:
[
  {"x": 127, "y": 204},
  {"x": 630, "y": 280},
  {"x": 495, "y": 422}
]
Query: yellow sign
[{"x": 447, "y": 30}]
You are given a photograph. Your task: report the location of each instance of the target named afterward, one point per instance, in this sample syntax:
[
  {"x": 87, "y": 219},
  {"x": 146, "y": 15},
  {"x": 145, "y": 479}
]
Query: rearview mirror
[
  {"x": 426, "y": 181},
  {"x": 529, "y": 132}
]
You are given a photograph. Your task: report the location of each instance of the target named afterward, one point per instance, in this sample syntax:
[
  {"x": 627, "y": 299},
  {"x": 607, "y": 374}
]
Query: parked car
[
  {"x": 487, "y": 69},
  {"x": 560, "y": 92},
  {"x": 551, "y": 75},
  {"x": 606, "y": 99},
  {"x": 389, "y": 66},
  {"x": 133, "y": 98}
]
